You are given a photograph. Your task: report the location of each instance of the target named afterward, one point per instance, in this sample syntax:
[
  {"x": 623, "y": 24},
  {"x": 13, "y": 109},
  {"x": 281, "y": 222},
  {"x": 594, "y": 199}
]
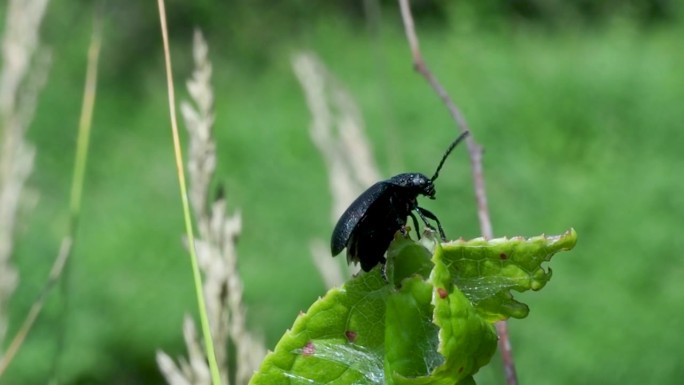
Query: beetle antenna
[{"x": 448, "y": 151}]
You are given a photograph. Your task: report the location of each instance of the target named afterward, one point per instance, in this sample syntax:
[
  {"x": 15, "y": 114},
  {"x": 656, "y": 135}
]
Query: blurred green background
[{"x": 578, "y": 105}]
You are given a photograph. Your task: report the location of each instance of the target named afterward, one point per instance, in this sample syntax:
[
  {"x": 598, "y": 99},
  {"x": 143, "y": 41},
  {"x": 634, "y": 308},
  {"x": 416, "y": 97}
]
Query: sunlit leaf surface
[{"x": 422, "y": 321}]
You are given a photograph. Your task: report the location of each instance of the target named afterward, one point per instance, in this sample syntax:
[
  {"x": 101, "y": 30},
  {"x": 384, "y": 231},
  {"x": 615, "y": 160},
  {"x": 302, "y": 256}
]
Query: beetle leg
[
  {"x": 415, "y": 223},
  {"x": 425, "y": 213}
]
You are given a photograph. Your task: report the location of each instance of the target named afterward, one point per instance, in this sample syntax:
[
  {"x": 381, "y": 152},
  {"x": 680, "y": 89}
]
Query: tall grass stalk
[
  {"x": 24, "y": 71},
  {"x": 216, "y": 243},
  {"x": 77, "y": 182},
  {"x": 206, "y": 331},
  {"x": 337, "y": 129}
]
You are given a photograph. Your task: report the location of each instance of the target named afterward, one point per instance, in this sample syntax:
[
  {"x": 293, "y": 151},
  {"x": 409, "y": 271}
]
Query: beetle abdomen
[{"x": 374, "y": 232}]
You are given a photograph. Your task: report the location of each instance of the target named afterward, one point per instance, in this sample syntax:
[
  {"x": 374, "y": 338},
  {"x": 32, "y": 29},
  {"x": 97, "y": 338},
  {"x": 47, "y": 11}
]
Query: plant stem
[
  {"x": 77, "y": 182},
  {"x": 206, "y": 331},
  {"x": 475, "y": 152}
]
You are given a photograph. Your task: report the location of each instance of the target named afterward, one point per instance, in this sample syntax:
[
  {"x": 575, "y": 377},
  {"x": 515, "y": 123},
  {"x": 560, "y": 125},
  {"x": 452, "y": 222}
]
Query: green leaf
[
  {"x": 487, "y": 271},
  {"x": 452, "y": 342},
  {"x": 338, "y": 341},
  {"x": 407, "y": 257},
  {"x": 427, "y": 321},
  {"x": 410, "y": 335}
]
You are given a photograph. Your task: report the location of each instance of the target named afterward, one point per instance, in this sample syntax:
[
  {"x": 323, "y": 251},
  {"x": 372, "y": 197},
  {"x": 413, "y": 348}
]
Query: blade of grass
[
  {"x": 77, "y": 182},
  {"x": 208, "y": 342}
]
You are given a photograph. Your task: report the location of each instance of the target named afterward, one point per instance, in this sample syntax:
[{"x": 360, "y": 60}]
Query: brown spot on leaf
[
  {"x": 503, "y": 256},
  {"x": 308, "y": 349},
  {"x": 442, "y": 292},
  {"x": 351, "y": 335}
]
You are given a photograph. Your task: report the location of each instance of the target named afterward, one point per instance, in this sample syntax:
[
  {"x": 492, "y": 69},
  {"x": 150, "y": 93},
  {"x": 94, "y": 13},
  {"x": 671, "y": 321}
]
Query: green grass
[{"x": 581, "y": 129}]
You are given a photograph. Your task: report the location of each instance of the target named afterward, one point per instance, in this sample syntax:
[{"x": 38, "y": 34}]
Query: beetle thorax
[{"x": 416, "y": 182}]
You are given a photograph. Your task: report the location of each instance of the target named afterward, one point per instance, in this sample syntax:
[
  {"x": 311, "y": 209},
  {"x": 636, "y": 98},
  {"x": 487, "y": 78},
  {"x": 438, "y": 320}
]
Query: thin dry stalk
[
  {"x": 24, "y": 71},
  {"x": 338, "y": 132},
  {"x": 475, "y": 151},
  {"x": 216, "y": 250}
]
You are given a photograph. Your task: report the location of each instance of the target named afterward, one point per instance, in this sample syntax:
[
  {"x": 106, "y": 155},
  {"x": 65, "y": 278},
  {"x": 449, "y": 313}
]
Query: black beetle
[{"x": 368, "y": 225}]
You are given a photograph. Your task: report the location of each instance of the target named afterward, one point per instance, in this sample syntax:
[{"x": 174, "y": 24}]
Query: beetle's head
[
  {"x": 428, "y": 188},
  {"x": 424, "y": 185},
  {"x": 415, "y": 182}
]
